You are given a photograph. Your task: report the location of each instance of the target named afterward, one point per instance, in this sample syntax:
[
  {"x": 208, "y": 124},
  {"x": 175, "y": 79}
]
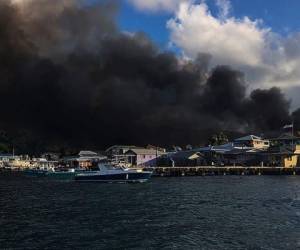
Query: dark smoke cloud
[{"x": 69, "y": 78}]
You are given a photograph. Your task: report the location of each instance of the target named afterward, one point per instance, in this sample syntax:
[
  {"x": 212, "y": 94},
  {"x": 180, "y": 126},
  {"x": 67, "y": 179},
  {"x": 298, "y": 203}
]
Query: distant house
[
  {"x": 284, "y": 151},
  {"x": 214, "y": 154},
  {"x": 119, "y": 149},
  {"x": 252, "y": 141},
  {"x": 252, "y": 150},
  {"x": 8, "y": 157},
  {"x": 89, "y": 154},
  {"x": 41, "y": 163},
  {"x": 143, "y": 156},
  {"x": 242, "y": 151},
  {"x": 285, "y": 140},
  {"x": 243, "y": 157},
  {"x": 117, "y": 153},
  {"x": 284, "y": 156},
  {"x": 50, "y": 156},
  {"x": 84, "y": 159},
  {"x": 183, "y": 159},
  {"x": 156, "y": 148}
]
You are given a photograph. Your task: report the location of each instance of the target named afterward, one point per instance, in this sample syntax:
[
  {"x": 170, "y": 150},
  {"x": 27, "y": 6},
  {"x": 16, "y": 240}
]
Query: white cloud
[
  {"x": 19, "y": 1},
  {"x": 157, "y": 5},
  {"x": 267, "y": 58},
  {"x": 194, "y": 29}
]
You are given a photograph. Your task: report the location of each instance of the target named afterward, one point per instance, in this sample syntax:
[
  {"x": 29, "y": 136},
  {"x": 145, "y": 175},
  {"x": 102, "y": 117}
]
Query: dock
[{"x": 214, "y": 170}]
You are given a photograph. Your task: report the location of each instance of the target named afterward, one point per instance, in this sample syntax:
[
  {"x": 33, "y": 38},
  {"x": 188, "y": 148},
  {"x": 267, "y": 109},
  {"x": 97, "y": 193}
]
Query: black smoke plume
[{"x": 70, "y": 78}]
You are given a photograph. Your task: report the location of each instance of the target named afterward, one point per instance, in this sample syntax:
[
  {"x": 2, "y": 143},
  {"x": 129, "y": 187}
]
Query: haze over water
[{"x": 230, "y": 212}]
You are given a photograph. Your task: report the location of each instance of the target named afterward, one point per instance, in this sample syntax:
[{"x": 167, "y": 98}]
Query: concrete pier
[{"x": 212, "y": 170}]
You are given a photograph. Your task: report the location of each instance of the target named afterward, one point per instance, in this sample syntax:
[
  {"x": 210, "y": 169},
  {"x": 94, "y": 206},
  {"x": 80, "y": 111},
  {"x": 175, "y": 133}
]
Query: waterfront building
[
  {"x": 84, "y": 159},
  {"x": 186, "y": 158},
  {"x": 41, "y": 163},
  {"x": 163, "y": 150},
  {"x": 243, "y": 151},
  {"x": 284, "y": 156},
  {"x": 119, "y": 149},
  {"x": 21, "y": 164},
  {"x": 143, "y": 156},
  {"x": 252, "y": 141},
  {"x": 117, "y": 153},
  {"x": 9, "y": 157},
  {"x": 242, "y": 157},
  {"x": 285, "y": 139},
  {"x": 50, "y": 156}
]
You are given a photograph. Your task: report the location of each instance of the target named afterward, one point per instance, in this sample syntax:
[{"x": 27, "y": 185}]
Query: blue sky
[
  {"x": 277, "y": 14},
  {"x": 281, "y": 15},
  {"x": 154, "y": 24}
]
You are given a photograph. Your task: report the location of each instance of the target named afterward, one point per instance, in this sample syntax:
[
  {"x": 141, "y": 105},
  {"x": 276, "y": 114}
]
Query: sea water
[{"x": 216, "y": 212}]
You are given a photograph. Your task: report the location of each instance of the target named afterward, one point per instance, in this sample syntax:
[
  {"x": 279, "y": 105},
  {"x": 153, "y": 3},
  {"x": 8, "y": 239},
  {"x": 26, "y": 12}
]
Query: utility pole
[
  {"x": 293, "y": 133},
  {"x": 156, "y": 155}
]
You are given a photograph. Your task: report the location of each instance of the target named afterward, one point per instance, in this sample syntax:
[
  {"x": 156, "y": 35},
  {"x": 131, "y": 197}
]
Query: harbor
[
  {"x": 247, "y": 155},
  {"x": 149, "y": 124}
]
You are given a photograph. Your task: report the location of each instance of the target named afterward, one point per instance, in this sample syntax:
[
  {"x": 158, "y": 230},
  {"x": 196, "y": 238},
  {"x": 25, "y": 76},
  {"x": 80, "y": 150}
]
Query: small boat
[
  {"x": 110, "y": 173},
  {"x": 61, "y": 175},
  {"x": 35, "y": 172}
]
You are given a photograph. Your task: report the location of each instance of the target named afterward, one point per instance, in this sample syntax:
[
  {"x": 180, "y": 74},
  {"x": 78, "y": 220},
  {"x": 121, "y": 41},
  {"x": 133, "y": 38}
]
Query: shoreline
[{"x": 204, "y": 171}]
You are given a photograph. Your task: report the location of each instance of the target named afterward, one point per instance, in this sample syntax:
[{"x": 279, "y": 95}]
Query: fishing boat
[{"x": 110, "y": 173}]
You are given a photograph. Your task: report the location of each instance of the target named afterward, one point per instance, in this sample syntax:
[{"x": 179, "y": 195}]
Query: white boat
[{"x": 111, "y": 173}]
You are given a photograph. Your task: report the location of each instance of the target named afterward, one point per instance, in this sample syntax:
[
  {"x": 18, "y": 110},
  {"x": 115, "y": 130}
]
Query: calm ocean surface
[{"x": 228, "y": 212}]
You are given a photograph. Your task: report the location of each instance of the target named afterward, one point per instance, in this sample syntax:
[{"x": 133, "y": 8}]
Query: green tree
[
  {"x": 4, "y": 148},
  {"x": 218, "y": 139}
]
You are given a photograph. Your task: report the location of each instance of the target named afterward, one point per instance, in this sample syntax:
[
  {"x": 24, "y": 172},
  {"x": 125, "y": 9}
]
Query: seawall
[{"x": 210, "y": 171}]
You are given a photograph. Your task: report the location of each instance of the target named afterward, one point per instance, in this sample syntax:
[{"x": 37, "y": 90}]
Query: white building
[{"x": 252, "y": 141}]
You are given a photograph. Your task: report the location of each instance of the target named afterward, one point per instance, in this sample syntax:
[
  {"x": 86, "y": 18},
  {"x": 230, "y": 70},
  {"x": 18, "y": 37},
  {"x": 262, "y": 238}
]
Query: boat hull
[
  {"x": 35, "y": 173},
  {"x": 61, "y": 175},
  {"x": 122, "y": 177}
]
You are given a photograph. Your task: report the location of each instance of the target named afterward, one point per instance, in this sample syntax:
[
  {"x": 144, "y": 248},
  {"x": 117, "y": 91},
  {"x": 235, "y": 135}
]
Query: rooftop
[
  {"x": 144, "y": 151},
  {"x": 120, "y": 147},
  {"x": 186, "y": 154},
  {"x": 286, "y": 136},
  {"x": 87, "y": 153},
  {"x": 249, "y": 138}
]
